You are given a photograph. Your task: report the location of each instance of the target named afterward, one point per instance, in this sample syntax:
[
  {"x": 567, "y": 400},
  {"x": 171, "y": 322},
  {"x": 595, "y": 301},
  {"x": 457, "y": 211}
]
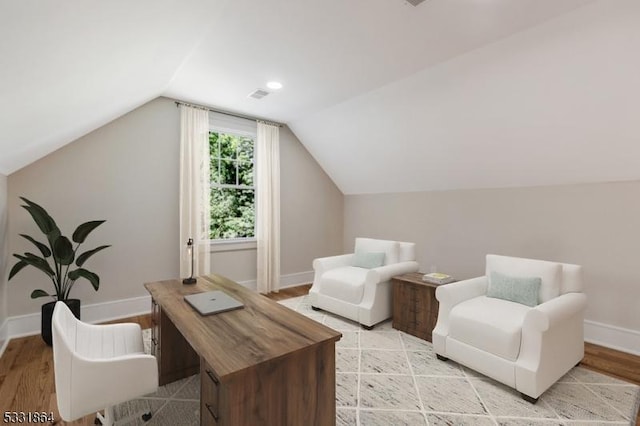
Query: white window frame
[{"x": 233, "y": 244}]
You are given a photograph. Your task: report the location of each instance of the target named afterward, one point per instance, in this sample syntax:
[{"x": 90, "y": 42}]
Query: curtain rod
[{"x": 246, "y": 117}]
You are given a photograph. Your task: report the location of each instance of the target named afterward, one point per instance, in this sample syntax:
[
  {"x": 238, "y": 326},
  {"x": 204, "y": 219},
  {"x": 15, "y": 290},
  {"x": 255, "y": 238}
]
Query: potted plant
[{"x": 57, "y": 262}]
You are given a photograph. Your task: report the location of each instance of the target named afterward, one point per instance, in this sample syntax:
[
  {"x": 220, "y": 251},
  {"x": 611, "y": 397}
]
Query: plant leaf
[
  {"x": 63, "y": 251},
  {"x": 39, "y": 293},
  {"x": 83, "y": 273},
  {"x": 43, "y": 248},
  {"x": 17, "y": 268},
  {"x": 87, "y": 254},
  {"x": 82, "y": 231},
  {"x": 37, "y": 262},
  {"x": 40, "y": 216},
  {"x": 52, "y": 237}
]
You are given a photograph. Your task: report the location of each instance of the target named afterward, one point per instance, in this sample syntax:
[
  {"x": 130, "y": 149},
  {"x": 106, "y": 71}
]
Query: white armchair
[
  {"x": 98, "y": 366},
  {"x": 525, "y": 347},
  {"x": 359, "y": 293}
]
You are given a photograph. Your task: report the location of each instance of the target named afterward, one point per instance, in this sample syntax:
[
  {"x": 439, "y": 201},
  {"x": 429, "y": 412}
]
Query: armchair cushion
[
  {"x": 492, "y": 325},
  {"x": 346, "y": 283},
  {"x": 522, "y": 290},
  {"x": 390, "y": 249},
  {"x": 368, "y": 260},
  {"x": 550, "y": 273}
]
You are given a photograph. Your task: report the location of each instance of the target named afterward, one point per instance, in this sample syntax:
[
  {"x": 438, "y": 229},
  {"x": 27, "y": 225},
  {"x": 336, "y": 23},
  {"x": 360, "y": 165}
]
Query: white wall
[
  {"x": 127, "y": 172},
  {"x": 3, "y": 260},
  {"x": 594, "y": 225},
  {"x": 312, "y": 207}
]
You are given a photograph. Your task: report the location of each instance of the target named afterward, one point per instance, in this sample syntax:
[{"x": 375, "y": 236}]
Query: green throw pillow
[
  {"x": 368, "y": 260},
  {"x": 522, "y": 290}
]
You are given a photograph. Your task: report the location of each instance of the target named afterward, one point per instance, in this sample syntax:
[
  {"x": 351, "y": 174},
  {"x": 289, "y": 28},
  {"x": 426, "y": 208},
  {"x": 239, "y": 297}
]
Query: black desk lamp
[{"x": 191, "y": 279}]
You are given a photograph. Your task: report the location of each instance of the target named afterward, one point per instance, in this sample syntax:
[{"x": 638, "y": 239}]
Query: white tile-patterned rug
[{"x": 387, "y": 377}]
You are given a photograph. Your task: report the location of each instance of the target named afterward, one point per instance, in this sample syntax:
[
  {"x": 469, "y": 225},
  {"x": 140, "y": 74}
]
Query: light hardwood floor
[{"x": 26, "y": 368}]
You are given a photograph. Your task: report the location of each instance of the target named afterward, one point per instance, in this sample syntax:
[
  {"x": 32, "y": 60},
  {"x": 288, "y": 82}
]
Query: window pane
[
  {"x": 214, "y": 171},
  {"x": 213, "y": 145},
  {"x": 232, "y": 209},
  {"x": 214, "y": 154},
  {"x": 245, "y": 173},
  {"x": 228, "y": 172},
  {"x": 232, "y": 213},
  {"x": 228, "y": 145},
  {"x": 245, "y": 149}
]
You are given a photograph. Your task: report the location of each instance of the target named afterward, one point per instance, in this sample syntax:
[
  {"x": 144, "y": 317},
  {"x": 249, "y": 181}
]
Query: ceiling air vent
[
  {"x": 258, "y": 94},
  {"x": 414, "y": 2}
]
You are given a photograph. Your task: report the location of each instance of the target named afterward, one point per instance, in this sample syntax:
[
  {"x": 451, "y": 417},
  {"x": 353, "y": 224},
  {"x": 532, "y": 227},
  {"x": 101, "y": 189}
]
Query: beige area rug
[{"x": 387, "y": 377}]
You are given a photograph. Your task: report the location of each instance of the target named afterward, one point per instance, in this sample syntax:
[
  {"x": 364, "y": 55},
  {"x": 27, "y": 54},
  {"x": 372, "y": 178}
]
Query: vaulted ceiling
[{"x": 386, "y": 96}]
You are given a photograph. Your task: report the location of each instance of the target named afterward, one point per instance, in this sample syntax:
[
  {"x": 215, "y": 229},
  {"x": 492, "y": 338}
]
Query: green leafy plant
[{"x": 59, "y": 255}]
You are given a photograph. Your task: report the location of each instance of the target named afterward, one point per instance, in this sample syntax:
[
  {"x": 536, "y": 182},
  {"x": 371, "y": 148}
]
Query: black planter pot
[{"x": 47, "y": 314}]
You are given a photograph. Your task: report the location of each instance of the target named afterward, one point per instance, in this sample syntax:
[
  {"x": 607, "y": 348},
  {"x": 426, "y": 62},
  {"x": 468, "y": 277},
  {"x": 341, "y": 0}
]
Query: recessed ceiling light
[{"x": 274, "y": 85}]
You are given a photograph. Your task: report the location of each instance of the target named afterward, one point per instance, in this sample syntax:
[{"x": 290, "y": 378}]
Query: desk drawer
[{"x": 209, "y": 384}]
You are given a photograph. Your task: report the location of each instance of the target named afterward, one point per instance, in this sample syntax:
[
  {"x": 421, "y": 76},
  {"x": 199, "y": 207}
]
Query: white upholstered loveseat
[
  {"x": 361, "y": 294},
  {"x": 526, "y": 348}
]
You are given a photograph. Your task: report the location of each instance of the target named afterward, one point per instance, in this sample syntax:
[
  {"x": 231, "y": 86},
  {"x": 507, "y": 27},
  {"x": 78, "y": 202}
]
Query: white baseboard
[
  {"x": 4, "y": 336},
  {"x": 294, "y": 280},
  {"x": 611, "y": 336},
  {"x": 289, "y": 280},
  {"x": 28, "y": 325}
]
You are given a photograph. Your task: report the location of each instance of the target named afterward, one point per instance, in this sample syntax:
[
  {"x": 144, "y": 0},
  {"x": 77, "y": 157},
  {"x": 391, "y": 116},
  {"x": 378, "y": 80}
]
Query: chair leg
[
  {"x": 442, "y": 358},
  {"x": 109, "y": 417},
  {"x": 528, "y": 398}
]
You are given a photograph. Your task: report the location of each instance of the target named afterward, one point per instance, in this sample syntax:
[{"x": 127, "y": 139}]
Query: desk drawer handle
[
  {"x": 212, "y": 377},
  {"x": 210, "y": 408}
]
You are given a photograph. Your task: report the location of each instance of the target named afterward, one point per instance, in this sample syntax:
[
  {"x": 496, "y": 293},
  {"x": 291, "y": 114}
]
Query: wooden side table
[{"x": 415, "y": 307}]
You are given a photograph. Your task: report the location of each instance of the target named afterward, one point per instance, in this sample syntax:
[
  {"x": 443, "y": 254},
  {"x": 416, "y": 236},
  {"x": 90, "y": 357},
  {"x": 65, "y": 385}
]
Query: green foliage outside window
[{"x": 232, "y": 186}]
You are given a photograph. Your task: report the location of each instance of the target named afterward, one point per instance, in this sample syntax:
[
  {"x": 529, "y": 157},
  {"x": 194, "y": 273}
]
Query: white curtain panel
[
  {"x": 268, "y": 207},
  {"x": 194, "y": 189}
]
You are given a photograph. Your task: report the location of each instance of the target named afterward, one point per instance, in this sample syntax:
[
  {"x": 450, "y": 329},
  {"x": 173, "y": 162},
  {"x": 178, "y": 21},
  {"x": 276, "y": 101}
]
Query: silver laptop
[{"x": 212, "y": 302}]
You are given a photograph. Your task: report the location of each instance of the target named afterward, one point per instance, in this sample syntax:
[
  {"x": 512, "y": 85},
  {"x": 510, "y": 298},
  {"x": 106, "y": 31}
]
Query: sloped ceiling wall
[
  {"x": 555, "y": 104},
  {"x": 70, "y": 67},
  {"x": 329, "y": 51},
  {"x": 387, "y": 97}
]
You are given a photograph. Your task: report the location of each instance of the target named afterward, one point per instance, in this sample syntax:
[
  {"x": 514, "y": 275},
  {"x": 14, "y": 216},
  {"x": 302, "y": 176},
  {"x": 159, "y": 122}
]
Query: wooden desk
[
  {"x": 263, "y": 364},
  {"x": 415, "y": 307}
]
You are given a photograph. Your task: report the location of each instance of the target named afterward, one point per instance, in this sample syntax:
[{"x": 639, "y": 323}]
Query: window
[{"x": 232, "y": 186}]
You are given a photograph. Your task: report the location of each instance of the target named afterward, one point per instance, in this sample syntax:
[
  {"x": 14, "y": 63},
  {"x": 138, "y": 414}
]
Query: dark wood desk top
[{"x": 236, "y": 340}]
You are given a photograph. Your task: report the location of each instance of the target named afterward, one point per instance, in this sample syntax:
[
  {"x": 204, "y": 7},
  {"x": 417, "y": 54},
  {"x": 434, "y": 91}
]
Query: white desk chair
[{"x": 98, "y": 366}]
